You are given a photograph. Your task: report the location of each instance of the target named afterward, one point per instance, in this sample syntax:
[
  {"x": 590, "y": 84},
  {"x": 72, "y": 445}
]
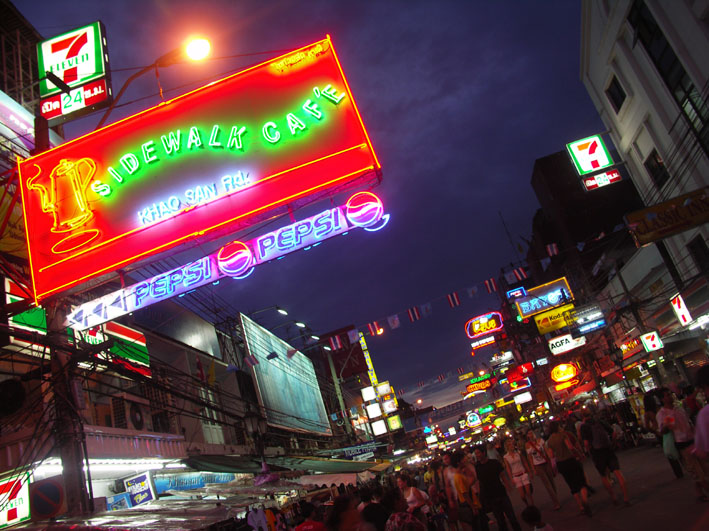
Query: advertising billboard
[
  {"x": 669, "y": 217},
  {"x": 589, "y": 154},
  {"x": 602, "y": 179},
  {"x": 553, "y": 319},
  {"x": 287, "y": 388},
  {"x": 544, "y": 297},
  {"x": 79, "y": 58},
  {"x": 483, "y": 325},
  {"x": 262, "y": 142}
]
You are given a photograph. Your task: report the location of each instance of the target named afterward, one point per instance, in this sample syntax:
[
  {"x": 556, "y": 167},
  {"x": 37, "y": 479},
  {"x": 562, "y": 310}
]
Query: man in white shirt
[{"x": 674, "y": 419}]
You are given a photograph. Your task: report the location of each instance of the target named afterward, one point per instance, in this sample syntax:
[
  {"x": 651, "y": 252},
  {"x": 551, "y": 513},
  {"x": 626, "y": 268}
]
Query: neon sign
[
  {"x": 473, "y": 420},
  {"x": 516, "y": 292},
  {"x": 681, "y": 310},
  {"x": 262, "y": 142},
  {"x": 564, "y": 372},
  {"x": 478, "y": 386},
  {"x": 483, "y": 325},
  {"x": 235, "y": 259},
  {"x": 589, "y": 154},
  {"x": 544, "y": 297},
  {"x": 651, "y": 341},
  {"x": 601, "y": 179}
]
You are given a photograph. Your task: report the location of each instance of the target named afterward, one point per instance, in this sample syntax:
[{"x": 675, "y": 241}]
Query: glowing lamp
[
  {"x": 564, "y": 372},
  {"x": 197, "y": 49}
]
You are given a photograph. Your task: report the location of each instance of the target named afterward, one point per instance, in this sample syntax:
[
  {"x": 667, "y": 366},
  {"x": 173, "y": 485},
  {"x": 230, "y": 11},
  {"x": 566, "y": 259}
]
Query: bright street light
[
  {"x": 197, "y": 49},
  {"x": 299, "y": 324},
  {"x": 194, "y": 49},
  {"x": 281, "y": 311}
]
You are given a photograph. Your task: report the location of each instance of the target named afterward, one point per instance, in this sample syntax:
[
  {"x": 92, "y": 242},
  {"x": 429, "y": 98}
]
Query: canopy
[{"x": 252, "y": 464}]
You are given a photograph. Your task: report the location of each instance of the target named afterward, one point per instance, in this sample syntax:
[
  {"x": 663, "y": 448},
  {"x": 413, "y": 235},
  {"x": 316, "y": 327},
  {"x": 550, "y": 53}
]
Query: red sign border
[{"x": 113, "y": 267}]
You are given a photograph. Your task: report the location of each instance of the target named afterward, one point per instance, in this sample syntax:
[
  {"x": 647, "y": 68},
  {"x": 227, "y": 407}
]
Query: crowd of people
[{"x": 471, "y": 489}]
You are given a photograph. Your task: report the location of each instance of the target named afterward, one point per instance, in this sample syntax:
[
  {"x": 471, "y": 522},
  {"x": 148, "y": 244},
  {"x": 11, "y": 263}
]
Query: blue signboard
[
  {"x": 192, "y": 480},
  {"x": 140, "y": 489},
  {"x": 118, "y": 502}
]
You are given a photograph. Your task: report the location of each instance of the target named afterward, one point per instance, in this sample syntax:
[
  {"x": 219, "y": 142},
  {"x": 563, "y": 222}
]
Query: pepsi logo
[
  {"x": 364, "y": 209},
  {"x": 235, "y": 259}
]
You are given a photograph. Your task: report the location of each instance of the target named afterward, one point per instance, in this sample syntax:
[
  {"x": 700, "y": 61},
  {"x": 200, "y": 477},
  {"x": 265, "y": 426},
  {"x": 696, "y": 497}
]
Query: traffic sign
[{"x": 47, "y": 498}]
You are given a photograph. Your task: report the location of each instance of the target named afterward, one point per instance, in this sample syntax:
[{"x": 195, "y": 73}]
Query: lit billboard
[
  {"x": 589, "y": 154},
  {"x": 80, "y": 59},
  {"x": 261, "y": 142},
  {"x": 544, "y": 297},
  {"x": 287, "y": 388},
  {"x": 483, "y": 325},
  {"x": 554, "y": 319},
  {"x": 600, "y": 180}
]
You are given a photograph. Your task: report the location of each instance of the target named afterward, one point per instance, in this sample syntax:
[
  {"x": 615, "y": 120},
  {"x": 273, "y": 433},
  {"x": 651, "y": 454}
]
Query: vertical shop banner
[{"x": 271, "y": 138}]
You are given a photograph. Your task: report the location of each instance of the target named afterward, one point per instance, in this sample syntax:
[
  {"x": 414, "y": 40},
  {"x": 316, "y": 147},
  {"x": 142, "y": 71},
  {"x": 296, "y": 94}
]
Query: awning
[{"x": 252, "y": 464}]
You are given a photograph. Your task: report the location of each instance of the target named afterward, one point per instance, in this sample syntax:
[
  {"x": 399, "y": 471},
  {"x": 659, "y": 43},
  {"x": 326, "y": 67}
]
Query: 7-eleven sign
[
  {"x": 589, "y": 154},
  {"x": 14, "y": 500},
  {"x": 651, "y": 341},
  {"x": 76, "y": 57},
  {"x": 680, "y": 309}
]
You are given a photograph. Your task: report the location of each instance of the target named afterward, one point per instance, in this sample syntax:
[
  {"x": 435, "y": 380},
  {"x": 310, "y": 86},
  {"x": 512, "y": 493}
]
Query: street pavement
[{"x": 658, "y": 500}]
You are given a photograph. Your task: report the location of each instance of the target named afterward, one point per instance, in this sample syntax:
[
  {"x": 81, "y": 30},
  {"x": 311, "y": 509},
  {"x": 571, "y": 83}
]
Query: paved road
[{"x": 659, "y": 500}]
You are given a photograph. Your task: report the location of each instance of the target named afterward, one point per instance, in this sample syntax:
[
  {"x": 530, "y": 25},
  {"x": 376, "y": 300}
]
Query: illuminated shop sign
[
  {"x": 566, "y": 385},
  {"x": 588, "y": 318},
  {"x": 516, "y": 293},
  {"x": 501, "y": 357},
  {"x": 235, "y": 259},
  {"x": 478, "y": 386},
  {"x": 680, "y": 309},
  {"x": 259, "y": 143},
  {"x": 630, "y": 347},
  {"x": 368, "y": 360},
  {"x": 564, "y": 372},
  {"x": 553, "y": 319},
  {"x": 523, "y": 398},
  {"x": 15, "y": 506},
  {"x": 520, "y": 384},
  {"x": 520, "y": 372},
  {"x": 601, "y": 179},
  {"x": 489, "y": 340},
  {"x": 79, "y": 58},
  {"x": 544, "y": 297},
  {"x": 589, "y": 154},
  {"x": 483, "y": 325},
  {"x": 480, "y": 378},
  {"x": 486, "y": 409},
  {"x": 76, "y": 57},
  {"x": 541, "y": 361},
  {"x": 561, "y": 344},
  {"x": 651, "y": 341},
  {"x": 473, "y": 420}
]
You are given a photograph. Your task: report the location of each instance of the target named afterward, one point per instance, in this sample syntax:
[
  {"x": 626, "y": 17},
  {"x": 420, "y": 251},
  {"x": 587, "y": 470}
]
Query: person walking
[
  {"x": 563, "y": 448},
  {"x": 493, "y": 490},
  {"x": 674, "y": 419},
  {"x": 541, "y": 461},
  {"x": 598, "y": 444},
  {"x": 518, "y": 469}
]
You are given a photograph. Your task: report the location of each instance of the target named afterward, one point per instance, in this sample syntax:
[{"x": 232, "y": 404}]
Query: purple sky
[{"x": 459, "y": 99}]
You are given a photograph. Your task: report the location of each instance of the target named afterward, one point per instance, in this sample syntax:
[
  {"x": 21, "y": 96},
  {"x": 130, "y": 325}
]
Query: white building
[{"x": 646, "y": 67}]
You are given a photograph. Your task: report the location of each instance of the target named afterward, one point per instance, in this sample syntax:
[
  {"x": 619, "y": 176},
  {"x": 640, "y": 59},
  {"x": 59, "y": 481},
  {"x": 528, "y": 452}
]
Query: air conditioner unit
[{"x": 131, "y": 412}]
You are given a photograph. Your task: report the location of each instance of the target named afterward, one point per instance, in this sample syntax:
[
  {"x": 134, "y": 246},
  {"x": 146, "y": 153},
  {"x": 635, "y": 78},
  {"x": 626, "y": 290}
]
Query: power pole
[
  {"x": 68, "y": 429},
  {"x": 338, "y": 393}
]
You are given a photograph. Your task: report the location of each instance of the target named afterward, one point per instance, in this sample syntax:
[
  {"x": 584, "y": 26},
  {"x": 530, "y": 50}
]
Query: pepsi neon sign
[{"x": 236, "y": 259}]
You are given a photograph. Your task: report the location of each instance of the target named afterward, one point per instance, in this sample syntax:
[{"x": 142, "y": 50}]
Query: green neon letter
[
  {"x": 130, "y": 163},
  {"x": 294, "y": 123},
  {"x": 213, "y": 138},
  {"x": 194, "y": 139},
  {"x": 270, "y": 132},
  {"x": 149, "y": 152},
  {"x": 117, "y": 176},
  {"x": 235, "y": 137},
  {"x": 171, "y": 142},
  {"x": 312, "y": 108}
]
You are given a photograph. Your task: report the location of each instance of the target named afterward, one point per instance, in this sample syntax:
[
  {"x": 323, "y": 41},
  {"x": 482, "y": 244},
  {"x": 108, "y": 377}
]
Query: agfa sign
[
  {"x": 561, "y": 344},
  {"x": 259, "y": 143}
]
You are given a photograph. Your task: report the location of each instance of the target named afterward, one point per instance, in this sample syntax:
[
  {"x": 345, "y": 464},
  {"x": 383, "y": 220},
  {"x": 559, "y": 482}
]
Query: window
[
  {"x": 692, "y": 106},
  {"x": 700, "y": 253},
  {"x": 657, "y": 170},
  {"x": 615, "y": 94}
]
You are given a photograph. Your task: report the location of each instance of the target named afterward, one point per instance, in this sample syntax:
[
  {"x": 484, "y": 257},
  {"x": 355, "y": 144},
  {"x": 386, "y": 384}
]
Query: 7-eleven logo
[
  {"x": 651, "y": 341},
  {"x": 589, "y": 154},
  {"x": 14, "y": 500}
]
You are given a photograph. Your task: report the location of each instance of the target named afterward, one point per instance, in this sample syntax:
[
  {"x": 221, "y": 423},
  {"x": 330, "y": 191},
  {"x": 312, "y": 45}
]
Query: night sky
[{"x": 459, "y": 98}]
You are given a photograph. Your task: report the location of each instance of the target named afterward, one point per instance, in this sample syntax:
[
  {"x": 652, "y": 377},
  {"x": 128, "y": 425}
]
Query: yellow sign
[
  {"x": 553, "y": 319},
  {"x": 500, "y": 421},
  {"x": 502, "y": 403}
]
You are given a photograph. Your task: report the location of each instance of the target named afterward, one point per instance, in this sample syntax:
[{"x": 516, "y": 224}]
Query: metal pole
[{"x": 338, "y": 392}]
